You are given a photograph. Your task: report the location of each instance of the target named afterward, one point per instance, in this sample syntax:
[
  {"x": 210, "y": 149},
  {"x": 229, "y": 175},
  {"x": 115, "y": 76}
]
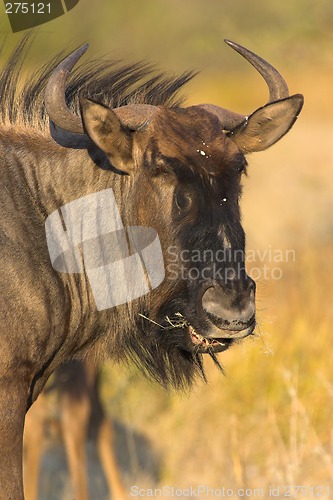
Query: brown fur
[{"x": 185, "y": 182}]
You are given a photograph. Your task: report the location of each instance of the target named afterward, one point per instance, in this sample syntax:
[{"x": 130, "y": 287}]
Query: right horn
[
  {"x": 277, "y": 87},
  {"x": 267, "y": 124}
]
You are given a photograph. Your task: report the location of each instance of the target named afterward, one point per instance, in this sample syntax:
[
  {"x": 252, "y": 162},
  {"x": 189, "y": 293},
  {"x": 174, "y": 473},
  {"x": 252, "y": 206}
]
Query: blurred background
[{"x": 269, "y": 418}]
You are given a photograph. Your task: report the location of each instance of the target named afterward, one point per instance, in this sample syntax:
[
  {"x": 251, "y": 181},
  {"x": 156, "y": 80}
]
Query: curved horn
[
  {"x": 55, "y": 101},
  {"x": 132, "y": 116},
  {"x": 277, "y": 87}
]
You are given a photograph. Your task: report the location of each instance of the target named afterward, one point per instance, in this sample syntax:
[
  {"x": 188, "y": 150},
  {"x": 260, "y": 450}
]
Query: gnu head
[{"x": 183, "y": 169}]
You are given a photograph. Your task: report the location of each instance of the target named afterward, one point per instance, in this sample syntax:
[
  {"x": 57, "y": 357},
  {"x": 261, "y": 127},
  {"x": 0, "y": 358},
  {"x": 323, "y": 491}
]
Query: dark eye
[
  {"x": 183, "y": 200},
  {"x": 160, "y": 170}
]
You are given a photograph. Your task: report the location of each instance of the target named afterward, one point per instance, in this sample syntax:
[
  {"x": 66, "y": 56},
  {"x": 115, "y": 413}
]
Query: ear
[
  {"x": 105, "y": 129},
  {"x": 267, "y": 125}
]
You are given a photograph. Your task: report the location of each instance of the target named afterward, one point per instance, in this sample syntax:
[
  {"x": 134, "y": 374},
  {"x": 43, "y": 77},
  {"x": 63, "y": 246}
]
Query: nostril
[
  {"x": 215, "y": 302},
  {"x": 229, "y": 306}
]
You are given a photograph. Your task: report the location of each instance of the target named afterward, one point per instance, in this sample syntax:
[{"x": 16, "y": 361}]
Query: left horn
[
  {"x": 133, "y": 116},
  {"x": 55, "y": 100}
]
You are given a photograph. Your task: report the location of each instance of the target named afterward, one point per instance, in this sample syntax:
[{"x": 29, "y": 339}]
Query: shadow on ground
[{"x": 136, "y": 458}]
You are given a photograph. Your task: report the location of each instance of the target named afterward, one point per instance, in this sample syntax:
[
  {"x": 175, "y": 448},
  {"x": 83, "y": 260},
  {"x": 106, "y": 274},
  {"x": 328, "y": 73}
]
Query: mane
[{"x": 106, "y": 82}]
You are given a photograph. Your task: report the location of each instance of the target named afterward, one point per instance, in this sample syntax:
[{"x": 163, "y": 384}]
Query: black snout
[{"x": 230, "y": 309}]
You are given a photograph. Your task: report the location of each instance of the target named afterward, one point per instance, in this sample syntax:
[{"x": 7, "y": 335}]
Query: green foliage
[{"x": 186, "y": 34}]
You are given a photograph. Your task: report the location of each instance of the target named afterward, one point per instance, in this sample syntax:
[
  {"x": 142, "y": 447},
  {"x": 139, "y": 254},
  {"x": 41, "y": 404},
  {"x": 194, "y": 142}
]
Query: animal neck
[
  {"x": 38, "y": 177},
  {"x": 50, "y": 174}
]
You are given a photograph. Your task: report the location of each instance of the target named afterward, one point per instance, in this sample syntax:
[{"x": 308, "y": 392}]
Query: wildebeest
[
  {"x": 82, "y": 414},
  {"x": 174, "y": 169}
]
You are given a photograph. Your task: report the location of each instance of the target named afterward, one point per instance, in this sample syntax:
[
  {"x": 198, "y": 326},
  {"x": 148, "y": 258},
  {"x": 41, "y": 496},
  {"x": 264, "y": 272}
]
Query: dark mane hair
[{"x": 107, "y": 82}]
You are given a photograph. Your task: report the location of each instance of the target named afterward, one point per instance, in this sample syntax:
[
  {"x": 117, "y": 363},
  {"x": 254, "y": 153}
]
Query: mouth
[
  {"x": 202, "y": 344},
  {"x": 218, "y": 341}
]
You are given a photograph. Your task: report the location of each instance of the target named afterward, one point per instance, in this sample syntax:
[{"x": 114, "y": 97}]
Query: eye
[
  {"x": 160, "y": 169},
  {"x": 183, "y": 200}
]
